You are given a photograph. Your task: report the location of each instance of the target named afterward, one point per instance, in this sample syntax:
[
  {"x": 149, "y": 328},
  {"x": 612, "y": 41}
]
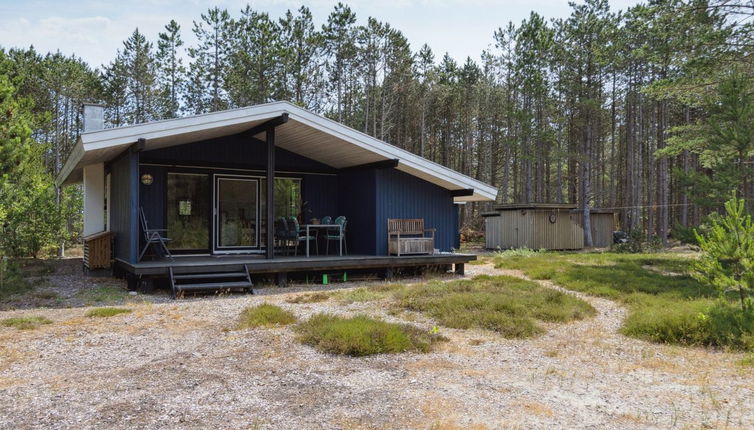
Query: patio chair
[
  {"x": 337, "y": 235},
  {"x": 327, "y": 219},
  {"x": 298, "y": 237},
  {"x": 282, "y": 235},
  {"x": 153, "y": 236}
]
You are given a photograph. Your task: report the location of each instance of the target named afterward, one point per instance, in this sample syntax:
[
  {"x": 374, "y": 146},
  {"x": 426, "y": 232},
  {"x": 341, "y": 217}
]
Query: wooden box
[{"x": 98, "y": 251}]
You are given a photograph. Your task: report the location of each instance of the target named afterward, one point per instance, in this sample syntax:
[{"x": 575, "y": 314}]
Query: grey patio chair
[
  {"x": 337, "y": 235},
  {"x": 298, "y": 237},
  {"x": 153, "y": 236}
]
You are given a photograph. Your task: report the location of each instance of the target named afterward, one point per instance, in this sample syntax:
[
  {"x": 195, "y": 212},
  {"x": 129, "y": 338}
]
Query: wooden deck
[{"x": 257, "y": 264}]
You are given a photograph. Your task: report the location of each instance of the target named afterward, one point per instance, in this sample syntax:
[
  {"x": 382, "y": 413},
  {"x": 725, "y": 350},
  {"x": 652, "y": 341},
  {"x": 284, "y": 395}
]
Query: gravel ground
[{"x": 180, "y": 365}]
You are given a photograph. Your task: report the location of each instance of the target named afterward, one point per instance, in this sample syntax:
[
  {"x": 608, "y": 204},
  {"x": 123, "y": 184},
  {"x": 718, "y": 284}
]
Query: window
[{"x": 188, "y": 211}]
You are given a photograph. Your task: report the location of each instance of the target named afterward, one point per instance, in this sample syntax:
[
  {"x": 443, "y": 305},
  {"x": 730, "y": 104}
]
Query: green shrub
[
  {"x": 361, "y": 335},
  {"x": 107, "y": 312},
  {"x": 518, "y": 252},
  {"x": 25, "y": 323},
  {"x": 633, "y": 246},
  {"x": 727, "y": 261},
  {"x": 503, "y": 304},
  {"x": 684, "y": 234},
  {"x": 11, "y": 279},
  {"x": 265, "y": 315}
]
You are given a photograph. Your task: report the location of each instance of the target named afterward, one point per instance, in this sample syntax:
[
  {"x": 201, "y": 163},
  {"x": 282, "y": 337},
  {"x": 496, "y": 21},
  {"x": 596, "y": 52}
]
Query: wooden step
[
  {"x": 188, "y": 281},
  {"x": 213, "y": 285},
  {"x": 211, "y": 275}
]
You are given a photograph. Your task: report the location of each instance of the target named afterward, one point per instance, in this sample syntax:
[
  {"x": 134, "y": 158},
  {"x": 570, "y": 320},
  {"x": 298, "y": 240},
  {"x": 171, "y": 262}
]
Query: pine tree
[
  {"x": 140, "y": 67},
  {"x": 171, "y": 72},
  {"x": 209, "y": 62},
  {"x": 254, "y": 62},
  {"x": 301, "y": 47},
  {"x": 339, "y": 36},
  {"x": 115, "y": 91}
]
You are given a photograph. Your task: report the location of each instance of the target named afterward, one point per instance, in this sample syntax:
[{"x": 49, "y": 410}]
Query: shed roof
[
  {"x": 514, "y": 206},
  {"x": 305, "y": 133}
]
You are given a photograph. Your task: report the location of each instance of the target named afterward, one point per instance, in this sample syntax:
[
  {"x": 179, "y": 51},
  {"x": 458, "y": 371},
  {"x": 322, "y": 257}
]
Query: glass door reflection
[{"x": 237, "y": 213}]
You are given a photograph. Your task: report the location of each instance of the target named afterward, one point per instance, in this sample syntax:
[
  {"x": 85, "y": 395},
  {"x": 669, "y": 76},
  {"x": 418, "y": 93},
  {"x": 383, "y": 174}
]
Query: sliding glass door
[{"x": 237, "y": 213}]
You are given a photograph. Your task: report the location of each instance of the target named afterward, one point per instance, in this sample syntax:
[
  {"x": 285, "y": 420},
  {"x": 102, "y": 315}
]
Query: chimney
[{"x": 94, "y": 116}]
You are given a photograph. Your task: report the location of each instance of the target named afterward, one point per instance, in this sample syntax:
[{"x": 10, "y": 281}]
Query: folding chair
[{"x": 153, "y": 236}]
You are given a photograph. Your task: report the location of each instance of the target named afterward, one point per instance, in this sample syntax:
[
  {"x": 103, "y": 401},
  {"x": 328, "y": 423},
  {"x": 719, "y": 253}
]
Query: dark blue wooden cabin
[{"x": 213, "y": 181}]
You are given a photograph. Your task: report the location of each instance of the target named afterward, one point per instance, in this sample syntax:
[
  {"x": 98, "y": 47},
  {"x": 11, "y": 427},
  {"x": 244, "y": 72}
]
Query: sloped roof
[{"x": 305, "y": 133}]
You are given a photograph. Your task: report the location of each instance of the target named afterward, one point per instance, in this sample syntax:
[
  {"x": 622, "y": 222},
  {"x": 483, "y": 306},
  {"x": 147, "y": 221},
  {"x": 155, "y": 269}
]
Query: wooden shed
[
  {"x": 533, "y": 225},
  {"x": 603, "y": 222}
]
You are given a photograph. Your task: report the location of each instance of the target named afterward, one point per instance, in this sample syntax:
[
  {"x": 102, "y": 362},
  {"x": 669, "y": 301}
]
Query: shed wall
[
  {"x": 603, "y": 225},
  {"x": 532, "y": 228}
]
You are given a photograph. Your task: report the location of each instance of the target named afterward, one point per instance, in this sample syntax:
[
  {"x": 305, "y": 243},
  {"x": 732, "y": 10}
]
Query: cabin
[
  {"x": 218, "y": 186},
  {"x": 551, "y": 226}
]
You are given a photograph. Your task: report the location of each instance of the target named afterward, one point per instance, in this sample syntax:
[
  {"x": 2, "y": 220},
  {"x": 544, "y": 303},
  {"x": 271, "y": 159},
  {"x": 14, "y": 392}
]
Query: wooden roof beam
[{"x": 270, "y": 123}]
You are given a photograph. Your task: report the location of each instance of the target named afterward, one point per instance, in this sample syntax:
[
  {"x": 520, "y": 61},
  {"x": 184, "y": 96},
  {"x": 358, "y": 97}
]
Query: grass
[
  {"x": 507, "y": 305},
  {"x": 25, "y": 323},
  {"x": 666, "y": 305},
  {"x": 309, "y": 298},
  {"x": 107, "y": 312},
  {"x": 361, "y": 336},
  {"x": 265, "y": 315},
  {"x": 102, "y": 294},
  {"x": 367, "y": 294}
]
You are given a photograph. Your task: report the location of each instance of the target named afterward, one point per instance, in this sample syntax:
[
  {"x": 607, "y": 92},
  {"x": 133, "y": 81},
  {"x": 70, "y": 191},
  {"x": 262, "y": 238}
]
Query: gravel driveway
[{"x": 180, "y": 365}]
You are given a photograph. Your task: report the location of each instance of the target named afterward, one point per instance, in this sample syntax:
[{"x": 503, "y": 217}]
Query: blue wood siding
[
  {"x": 358, "y": 204},
  {"x": 367, "y": 197},
  {"x": 152, "y": 197},
  {"x": 320, "y": 195},
  {"x": 400, "y": 195},
  {"x": 124, "y": 195},
  {"x": 233, "y": 151}
]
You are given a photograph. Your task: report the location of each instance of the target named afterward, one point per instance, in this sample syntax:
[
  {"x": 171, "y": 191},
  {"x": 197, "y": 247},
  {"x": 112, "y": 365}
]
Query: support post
[
  {"x": 270, "y": 134},
  {"x": 281, "y": 279},
  {"x": 460, "y": 269}
]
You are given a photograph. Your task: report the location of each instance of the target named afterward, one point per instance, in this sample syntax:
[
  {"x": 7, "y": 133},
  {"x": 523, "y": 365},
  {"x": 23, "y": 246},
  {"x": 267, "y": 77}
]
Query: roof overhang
[{"x": 305, "y": 133}]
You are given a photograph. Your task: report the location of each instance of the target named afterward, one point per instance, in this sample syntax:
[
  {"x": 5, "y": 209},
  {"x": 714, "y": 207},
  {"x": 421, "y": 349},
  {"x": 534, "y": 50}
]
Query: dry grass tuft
[{"x": 309, "y": 298}]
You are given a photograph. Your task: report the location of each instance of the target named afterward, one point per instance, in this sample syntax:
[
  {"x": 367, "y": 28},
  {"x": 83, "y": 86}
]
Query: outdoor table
[{"x": 326, "y": 226}]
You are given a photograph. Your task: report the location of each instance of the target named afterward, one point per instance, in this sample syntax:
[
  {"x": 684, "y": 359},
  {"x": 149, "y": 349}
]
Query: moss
[
  {"x": 107, "y": 312},
  {"x": 265, "y": 315},
  {"x": 504, "y": 304},
  {"x": 361, "y": 336},
  {"x": 25, "y": 323}
]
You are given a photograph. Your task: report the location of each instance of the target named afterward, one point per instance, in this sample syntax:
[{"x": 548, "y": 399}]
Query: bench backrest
[{"x": 406, "y": 226}]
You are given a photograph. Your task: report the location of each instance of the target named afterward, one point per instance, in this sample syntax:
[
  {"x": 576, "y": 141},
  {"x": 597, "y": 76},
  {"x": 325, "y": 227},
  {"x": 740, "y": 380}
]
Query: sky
[{"x": 94, "y": 29}]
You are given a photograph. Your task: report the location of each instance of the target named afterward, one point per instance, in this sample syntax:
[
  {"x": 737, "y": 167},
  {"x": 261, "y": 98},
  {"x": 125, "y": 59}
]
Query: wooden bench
[{"x": 408, "y": 236}]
